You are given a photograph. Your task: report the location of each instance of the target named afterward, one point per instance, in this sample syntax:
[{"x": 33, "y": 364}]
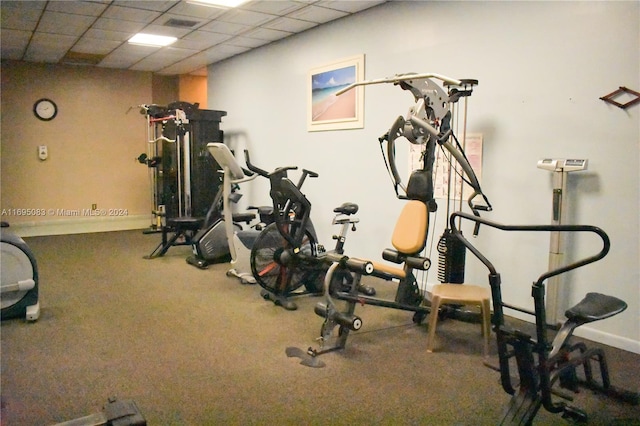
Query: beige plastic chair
[{"x": 460, "y": 294}]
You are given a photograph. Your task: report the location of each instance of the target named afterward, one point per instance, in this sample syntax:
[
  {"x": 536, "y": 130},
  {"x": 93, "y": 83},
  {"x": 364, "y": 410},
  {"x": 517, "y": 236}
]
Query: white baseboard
[
  {"x": 594, "y": 335},
  {"x": 609, "y": 339},
  {"x": 80, "y": 225}
]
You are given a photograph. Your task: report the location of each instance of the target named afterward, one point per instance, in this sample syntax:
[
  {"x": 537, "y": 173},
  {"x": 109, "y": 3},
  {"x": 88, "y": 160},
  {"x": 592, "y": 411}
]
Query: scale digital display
[
  {"x": 575, "y": 164},
  {"x": 562, "y": 165}
]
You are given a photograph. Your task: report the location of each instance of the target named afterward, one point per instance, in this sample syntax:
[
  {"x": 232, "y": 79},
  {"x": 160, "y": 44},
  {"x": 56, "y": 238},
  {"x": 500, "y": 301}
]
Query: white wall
[{"x": 541, "y": 66}]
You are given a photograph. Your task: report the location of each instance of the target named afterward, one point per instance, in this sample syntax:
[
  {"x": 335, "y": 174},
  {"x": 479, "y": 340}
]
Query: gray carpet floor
[{"x": 195, "y": 347}]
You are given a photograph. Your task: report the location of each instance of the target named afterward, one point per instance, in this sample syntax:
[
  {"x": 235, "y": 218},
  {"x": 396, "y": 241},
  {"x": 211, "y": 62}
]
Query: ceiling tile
[
  {"x": 118, "y": 25},
  {"x": 245, "y": 42},
  {"x": 223, "y": 51},
  {"x": 351, "y": 6},
  {"x": 201, "y": 39},
  {"x": 157, "y": 5},
  {"x": 48, "y": 47},
  {"x": 246, "y": 17},
  {"x": 225, "y": 27},
  {"x": 13, "y": 43},
  {"x": 289, "y": 25},
  {"x": 165, "y": 31},
  {"x": 77, "y": 7},
  {"x": 127, "y": 55},
  {"x": 196, "y": 10},
  {"x": 21, "y": 4},
  {"x": 95, "y": 46},
  {"x": 317, "y": 14},
  {"x": 64, "y": 23},
  {"x": 172, "y": 53},
  {"x": 197, "y": 62},
  {"x": 108, "y": 35},
  {"x": 130, "y": 14},
  {"x": 273, "y": 7},
  {"x": 19, "y": 19},
  {"x": 266, "y": 34}
]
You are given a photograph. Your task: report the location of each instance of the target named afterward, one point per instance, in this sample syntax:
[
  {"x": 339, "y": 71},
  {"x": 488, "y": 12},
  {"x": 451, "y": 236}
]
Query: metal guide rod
[
  {"x": 151, "y": 173},
  {"x": 560, "y": 208}
]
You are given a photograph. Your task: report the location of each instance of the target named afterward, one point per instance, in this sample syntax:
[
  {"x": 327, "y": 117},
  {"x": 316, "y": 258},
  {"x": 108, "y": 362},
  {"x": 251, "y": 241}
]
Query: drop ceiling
[{"x": 95, "y": 32}]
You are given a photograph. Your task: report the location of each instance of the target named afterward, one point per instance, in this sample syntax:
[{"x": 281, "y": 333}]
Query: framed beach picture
[{"x": 329, "y": 111}]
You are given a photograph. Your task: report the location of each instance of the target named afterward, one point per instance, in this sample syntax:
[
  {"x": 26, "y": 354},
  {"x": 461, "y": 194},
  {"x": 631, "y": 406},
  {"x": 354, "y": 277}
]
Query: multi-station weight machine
[
  {"x": 183, "y": 176},
  {"x": 429, "y": 124},
  {"x": 548, "y": 368}
]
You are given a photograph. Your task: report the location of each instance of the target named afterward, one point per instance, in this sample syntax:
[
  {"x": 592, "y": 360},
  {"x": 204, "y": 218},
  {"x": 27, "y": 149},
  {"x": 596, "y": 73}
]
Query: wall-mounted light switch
[{"x": 43, "y": 152}]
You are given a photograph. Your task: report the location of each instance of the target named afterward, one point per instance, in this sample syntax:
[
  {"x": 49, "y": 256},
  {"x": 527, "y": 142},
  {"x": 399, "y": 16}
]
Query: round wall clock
[{"x": 45, "y": 109}]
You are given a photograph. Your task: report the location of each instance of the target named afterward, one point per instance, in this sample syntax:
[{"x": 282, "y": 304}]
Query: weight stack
[{"x": 451, "y": 259}]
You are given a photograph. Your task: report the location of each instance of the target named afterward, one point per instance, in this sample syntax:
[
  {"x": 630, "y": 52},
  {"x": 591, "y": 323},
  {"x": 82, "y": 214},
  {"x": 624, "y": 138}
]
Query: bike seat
[
  {"x": 347, "y": 208},
  {"x": 595, "y": 307},
  {"x": 186, "y": 222},
  {"x": 265, "y": 210},
  {"x": 243, "y": 217}
]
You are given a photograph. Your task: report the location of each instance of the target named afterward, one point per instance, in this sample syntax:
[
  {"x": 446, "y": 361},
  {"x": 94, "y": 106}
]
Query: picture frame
[{"x": 325, "y": 110}]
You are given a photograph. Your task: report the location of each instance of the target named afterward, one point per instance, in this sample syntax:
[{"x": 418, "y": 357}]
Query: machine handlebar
[
  {"x": 252, "y": 167},
  {"x": 606, "y": 244},
  {"x": 279, "y": 171}
]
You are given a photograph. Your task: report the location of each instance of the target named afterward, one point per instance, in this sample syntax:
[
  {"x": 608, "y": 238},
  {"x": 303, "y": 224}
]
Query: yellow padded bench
[{"x": 408, "y": 236}]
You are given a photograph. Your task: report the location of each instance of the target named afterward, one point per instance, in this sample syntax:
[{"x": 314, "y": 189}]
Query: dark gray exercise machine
[
  {"x": 19, "y": 285},
  {"x": 536, "y": 369}
]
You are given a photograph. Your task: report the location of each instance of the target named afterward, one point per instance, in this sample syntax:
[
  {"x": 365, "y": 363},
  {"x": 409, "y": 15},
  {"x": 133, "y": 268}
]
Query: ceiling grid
[{"x": 95, "y": 32}]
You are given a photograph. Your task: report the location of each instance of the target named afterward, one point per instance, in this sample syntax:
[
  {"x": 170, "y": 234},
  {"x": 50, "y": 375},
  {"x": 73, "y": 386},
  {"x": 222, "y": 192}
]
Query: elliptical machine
[
  {"x": 548, "y": 369},
  {"x": 19, "y": 286}
]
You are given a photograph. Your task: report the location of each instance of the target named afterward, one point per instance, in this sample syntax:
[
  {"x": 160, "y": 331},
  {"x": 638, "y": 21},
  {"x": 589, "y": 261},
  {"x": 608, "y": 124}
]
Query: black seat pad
[
  {"x": 347, "y": 208},
  {"x": 243, "y": 217},
  {"x": 595, "y": 307},
  {"x": 186, "y": 221}
]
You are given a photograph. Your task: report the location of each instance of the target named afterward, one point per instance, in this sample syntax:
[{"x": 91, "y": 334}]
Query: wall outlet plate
[{"x": 43, "y": 152}]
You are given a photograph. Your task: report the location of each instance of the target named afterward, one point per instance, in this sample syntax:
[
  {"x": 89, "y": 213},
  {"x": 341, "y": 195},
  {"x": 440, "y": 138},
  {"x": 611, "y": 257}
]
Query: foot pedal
[
  {"x": 115, "y": 413},
  {"x": 574, "y": 414},
  {"x": 306, "y": 359},
  {"x": 522, "y": 408},
  {"x": 123, "y": 413}
]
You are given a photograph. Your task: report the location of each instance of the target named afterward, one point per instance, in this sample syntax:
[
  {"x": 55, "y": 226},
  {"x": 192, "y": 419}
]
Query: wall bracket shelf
[{"x": 610, "y": 97}]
